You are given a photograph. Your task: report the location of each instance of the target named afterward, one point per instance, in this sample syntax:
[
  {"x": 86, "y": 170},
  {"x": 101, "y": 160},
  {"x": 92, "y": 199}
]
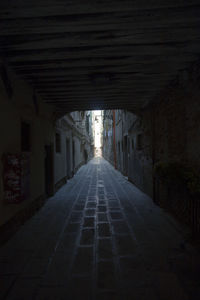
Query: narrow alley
[
  {"x": 99, "y": 237},
  {"x": 100, "y": 150}
]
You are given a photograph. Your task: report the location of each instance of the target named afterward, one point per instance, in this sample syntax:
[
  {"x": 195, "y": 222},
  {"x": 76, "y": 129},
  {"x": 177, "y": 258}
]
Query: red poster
[{"x": 16, "y": 177}]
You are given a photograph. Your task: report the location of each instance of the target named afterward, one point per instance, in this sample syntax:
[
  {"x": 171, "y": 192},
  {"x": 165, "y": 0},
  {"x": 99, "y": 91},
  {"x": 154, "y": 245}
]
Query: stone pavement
[{"x": 101, "y": 238}]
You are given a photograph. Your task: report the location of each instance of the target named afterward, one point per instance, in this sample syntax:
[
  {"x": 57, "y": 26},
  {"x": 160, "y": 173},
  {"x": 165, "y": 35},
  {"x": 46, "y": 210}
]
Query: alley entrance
[{"x": 99, "y": 237}]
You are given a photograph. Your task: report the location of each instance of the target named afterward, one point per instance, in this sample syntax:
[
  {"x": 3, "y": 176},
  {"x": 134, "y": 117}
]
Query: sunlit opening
[{"x": 97, "y": 132}]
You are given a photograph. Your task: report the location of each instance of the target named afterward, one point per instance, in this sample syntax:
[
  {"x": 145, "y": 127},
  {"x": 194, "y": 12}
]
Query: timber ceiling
[{"x": 99, "y": 54}]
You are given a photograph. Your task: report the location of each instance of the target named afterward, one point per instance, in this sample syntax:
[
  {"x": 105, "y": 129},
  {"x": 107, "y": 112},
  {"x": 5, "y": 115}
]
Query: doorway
[
  {"x": 68, "y": 159},
  {"x": 125, "y": 155},
  {"x": 73, "y": 156},
  {"x": 49, "y": 169}
]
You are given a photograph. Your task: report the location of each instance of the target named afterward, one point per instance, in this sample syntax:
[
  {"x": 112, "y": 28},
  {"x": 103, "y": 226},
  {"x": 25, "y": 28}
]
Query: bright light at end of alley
[{"x": 97, "y": 131}]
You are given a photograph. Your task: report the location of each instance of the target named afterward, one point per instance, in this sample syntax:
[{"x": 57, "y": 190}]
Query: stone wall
[
  {"x": 177, "y": 138},
  {"x": 177, "y": 126},
  {"x": 140, "y": 158},
  {"x": 19, "y": 104},
  {"x": 167, "y": 132},
  {"x": 132, "y": 159}
]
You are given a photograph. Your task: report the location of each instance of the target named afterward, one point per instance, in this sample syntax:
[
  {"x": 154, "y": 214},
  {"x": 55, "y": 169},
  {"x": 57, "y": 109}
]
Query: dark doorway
[
  {"x": 119, "y": 156},
  {"x": 125, "y": 155},
  {"x": 85, "y": 156},
  {"x": 73, "y": 154},
  {"x": 49, "y": 174},
  {"x": 68, "y": 159}
]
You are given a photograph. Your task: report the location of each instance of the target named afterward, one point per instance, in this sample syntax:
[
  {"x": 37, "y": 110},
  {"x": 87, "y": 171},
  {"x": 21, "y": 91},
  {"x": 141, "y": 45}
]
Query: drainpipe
[{"x": 114, "y": 140}]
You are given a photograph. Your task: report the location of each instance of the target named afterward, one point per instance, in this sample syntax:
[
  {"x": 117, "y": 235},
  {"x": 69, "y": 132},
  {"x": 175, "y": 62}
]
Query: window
[
  {"x": 25, "y": 137},
  {"x": 58, "y": 143}
]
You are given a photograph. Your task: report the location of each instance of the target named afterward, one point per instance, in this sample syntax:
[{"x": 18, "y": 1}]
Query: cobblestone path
[{"x": 100, "y": 238}]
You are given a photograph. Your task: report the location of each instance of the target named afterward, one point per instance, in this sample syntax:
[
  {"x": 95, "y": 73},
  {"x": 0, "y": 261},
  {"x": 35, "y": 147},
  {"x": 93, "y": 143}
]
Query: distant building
[
  {"x": 127, "y": 148},
  {"x": 74, "y": 144}
]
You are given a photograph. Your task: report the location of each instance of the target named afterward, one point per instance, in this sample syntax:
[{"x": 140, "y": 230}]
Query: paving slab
[{"x": 100, "y": 237}]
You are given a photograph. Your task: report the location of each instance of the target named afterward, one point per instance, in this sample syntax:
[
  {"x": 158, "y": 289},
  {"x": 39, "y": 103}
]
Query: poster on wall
[{"x": 16, "y": 177}]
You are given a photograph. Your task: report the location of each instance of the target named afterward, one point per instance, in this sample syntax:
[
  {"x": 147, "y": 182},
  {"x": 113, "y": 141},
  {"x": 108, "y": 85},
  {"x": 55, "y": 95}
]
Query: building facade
[
  {"x": 74, "y": 145},
  {"x": 38, "y": 152},
  {"x": 158, "y": 149}
]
